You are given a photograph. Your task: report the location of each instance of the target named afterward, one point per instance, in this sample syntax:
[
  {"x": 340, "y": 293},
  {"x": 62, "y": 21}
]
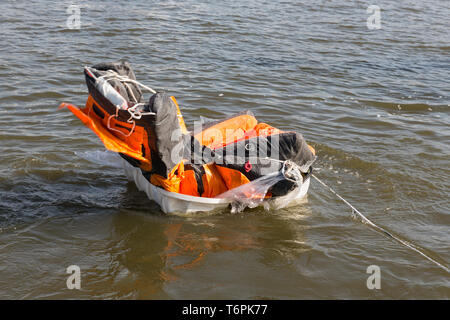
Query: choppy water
[{"x": 374, "y": 104}]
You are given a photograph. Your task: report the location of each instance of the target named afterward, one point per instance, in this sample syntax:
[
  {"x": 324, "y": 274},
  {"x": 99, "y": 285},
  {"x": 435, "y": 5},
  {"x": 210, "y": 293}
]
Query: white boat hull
[{"x": 176, "y": 203}]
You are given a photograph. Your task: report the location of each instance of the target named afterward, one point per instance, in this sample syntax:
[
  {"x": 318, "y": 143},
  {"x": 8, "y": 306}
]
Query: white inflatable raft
[{"x": 176, "y": 203}]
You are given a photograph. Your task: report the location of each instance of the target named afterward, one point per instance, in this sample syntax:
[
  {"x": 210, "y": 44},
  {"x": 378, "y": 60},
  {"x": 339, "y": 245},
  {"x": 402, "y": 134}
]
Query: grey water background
[{"x": 374, "y": 103}]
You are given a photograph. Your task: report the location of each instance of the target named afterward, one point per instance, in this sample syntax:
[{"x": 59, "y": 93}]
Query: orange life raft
[{"x": 204, "y": 162}]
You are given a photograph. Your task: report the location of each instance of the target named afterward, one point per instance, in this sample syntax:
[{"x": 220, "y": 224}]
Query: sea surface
[{"x": 374, "y": 103}]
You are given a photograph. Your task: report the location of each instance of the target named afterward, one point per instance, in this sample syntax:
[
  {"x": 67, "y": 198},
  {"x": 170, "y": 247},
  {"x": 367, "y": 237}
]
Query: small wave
[
  {"x": 34, "y": 96},
  {"x": 104, "y": 158},
  {"x": 405, "y": 107}
]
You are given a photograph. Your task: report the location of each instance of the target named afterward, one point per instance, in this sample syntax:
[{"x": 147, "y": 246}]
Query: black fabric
[
  {"x": 98, "y": 111},
  {"x": 281, "y": 188},
  {"x": 123, "y": 68},
  {"x": 291, "y": 146},
  {"x": 260, "y": 156},
  {"x": 167, "y": 131},
  {"x": 199, "y": 171},
  {"x": 134, "y": 162},
  {"x": 196, "y": 153},
  {"x": 263, "y": 152}
]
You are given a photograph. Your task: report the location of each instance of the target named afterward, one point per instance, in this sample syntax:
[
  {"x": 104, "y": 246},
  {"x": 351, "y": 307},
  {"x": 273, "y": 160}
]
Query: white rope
[
  {"x": 133, "y": 111},
  {"x": 108, "y": 124},
  {"x": 131, "y": 91},
  {"x": 111, "y": 75},
  {"x": 405, "y": 243},
  {"x": 136, "y": 113}
]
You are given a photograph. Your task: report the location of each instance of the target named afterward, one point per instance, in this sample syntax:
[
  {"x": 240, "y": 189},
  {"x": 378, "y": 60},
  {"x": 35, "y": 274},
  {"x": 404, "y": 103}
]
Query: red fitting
[{"x": 248, "y": 166}]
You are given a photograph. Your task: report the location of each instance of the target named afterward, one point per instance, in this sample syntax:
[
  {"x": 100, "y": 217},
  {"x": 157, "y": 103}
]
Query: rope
[
  {"x": 133, "y": 111},
  {"x": 108, "y": 124},
  {"x": 111, "y": 74},
  {"x": 136, "y": 113},
  {"x": 405, "y": 243}
]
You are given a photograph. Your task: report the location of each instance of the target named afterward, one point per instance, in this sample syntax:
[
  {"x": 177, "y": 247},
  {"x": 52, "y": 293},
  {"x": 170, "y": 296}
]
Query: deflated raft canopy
[{"x": 207, "y": 161}]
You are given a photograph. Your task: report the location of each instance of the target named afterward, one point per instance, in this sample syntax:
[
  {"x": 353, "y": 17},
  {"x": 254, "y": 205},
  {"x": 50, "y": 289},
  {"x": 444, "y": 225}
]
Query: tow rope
[{"x": 403, "y": 242}]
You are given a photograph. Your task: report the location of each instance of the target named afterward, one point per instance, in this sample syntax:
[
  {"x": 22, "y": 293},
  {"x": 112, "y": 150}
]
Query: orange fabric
[
  {"x": 180, "y": 116},
  {"x": 110, "y": 141},
  {"x": 231, "y": 177},
  {"x": 312, "y": 149},
  {"x": 263, "y": 129},
  {"x": 129, "y": 145},
  {"x": 189, "y": 184},
  {"x": 173, "y": 181},
  {"x": 212, "y": 181},
  {"x": 226, "y": 131},
  {"x": 242, "y": 127},
  {"x": 260, "y": 130}
]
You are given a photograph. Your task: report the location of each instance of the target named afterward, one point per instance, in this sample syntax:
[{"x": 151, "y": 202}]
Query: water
[{"x": 374, "y": 104}]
